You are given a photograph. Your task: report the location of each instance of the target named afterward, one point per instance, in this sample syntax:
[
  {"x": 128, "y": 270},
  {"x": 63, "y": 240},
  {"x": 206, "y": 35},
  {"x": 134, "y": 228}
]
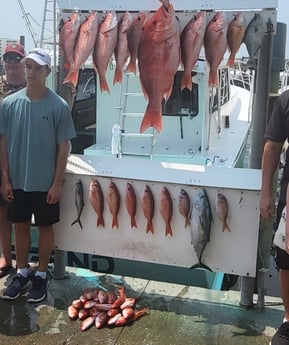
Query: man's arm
[{"x": 6, "y": 187}]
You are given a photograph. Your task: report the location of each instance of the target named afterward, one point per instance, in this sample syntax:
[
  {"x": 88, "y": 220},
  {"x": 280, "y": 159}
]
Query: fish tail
[
  {"x": 77, "y": 220},
  {"x": 71, "y": 78},
  {"x": 151, "y": 119},
  {"x": 103, "y": 85},
  {"x": 213, "y": 78},
  {"x": 131, "y": 67},
  {"x": 169, "y": 230},
  {"x": 201, "y": 265},
  {"x": 231, "y": 60},
  {"x": 117, "y": 76},
  {"x": 188, "y": 222},
  {"x": 226, "y": 227},
  {"x": 100, "y": 222},
  {"x": 186, "y": 81},
  {"x": 133, "y": 222},
  {"x": 150, "y": 227},
  {"x": 114, "y": 222}
]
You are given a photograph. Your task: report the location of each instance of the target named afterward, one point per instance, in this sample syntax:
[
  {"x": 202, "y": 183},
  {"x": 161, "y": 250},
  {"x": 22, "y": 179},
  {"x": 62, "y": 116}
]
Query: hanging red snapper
[
  {"x": 96, "y": 200},
  {"x": 166, "y": 209},
  {"x": 192, "y": 39},
  {"x": 130, "y": 202},
  {"x": 235, "y": 36},
  {"x": 158, "y": 61},
  {"x": 104, "y": 47},
  {"x": 121, "y": 52},
  {"x": 148, "y": 207},
  {"x": 113, "y": 201},
  {"x": 68, "y": 31},
  {"x": 215, "y": 42},
  {"x": 84, "y": 46}
]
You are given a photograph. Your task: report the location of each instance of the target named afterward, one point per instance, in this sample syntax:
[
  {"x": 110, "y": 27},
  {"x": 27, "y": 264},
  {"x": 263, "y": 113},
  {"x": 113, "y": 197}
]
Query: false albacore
[{"x": 79, "y": 203}]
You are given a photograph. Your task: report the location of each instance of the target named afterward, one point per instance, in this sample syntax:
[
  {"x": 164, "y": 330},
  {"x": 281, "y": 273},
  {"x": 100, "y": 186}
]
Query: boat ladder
[{"x": 132, "y": 142}]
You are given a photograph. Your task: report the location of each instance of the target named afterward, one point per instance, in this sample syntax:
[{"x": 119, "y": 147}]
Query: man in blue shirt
[{"x": 35, "y": 127}]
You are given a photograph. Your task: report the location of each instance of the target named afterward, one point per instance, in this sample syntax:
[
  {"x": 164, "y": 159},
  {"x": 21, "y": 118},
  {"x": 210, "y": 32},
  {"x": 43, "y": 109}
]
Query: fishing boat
[{"x": 201, "y": 145}]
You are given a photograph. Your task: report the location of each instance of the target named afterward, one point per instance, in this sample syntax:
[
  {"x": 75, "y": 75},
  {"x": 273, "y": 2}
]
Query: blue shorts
[{"x": 26, "y": 204}]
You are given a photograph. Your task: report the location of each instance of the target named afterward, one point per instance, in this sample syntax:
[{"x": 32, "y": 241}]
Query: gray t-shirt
[{"x": 34, "y": 129}]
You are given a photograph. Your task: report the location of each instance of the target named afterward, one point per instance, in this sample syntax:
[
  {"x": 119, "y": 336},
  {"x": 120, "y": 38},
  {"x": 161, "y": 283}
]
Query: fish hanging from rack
[
  {"x": 148, "y": 207},
  {"x": 235, "y": 36},
  {"x": 97, "y": 200},
  {"x": 104, "y": 47},
  {"x": 184, "y": 206},
  {"x": 83, "y": 47},
  {"x": 215, "y": 42},
  {"x": 121, "y": 52},
  {"x": 113, "y": 201},
  {"x": 68, "y": 31},
  {"x": 166, "y": 210},
  {"x": 79, "y": 203},
  {"x": 201, "y": 225},
  {"x": 222, "y": 209},
  {"x": 192, "y": 39},
  {"x": 130, "y": 202},
  {"x": 158, "y": 61}
]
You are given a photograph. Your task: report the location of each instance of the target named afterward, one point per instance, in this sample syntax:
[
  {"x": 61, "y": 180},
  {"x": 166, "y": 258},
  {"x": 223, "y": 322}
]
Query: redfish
[
  {"x": 192, "y": 39},
  {"x": 104, "y": 47},
  {"x": 222, "y": 209},
  {"x": 113, "y": 201},
  {"x": 86, "y": 323},
  {"x": 235, "y": 36},
  {"x": 130, "y": 202},
  {"x": 101, "y": 319},
  {"x": 184, "y": 206},
  {"x": 166, "y": 209},
  {"x": 158, "y": 61},
  {"x": 148, "y": 207},
  {"x": 68, "y": 31},
  {"x": 134, "y": 35},
  {"x": 96, "y": 199},
  {"x": 84, "y": 46},
  {"x": 121, "y": 52},
  {"x": 215, "y": 42}
]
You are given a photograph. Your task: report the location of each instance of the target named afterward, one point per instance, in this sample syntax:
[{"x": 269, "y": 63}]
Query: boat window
[{"x": 181, "y": 103}]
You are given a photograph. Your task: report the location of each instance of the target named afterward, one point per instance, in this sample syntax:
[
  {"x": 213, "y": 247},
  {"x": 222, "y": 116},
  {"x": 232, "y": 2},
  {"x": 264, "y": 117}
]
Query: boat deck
[{"x": 178, "y": 314}]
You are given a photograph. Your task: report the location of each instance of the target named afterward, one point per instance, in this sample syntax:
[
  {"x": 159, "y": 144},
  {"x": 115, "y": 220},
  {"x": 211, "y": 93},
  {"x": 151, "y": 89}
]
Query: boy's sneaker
[
  {"x": 38, "y": 290},
  {"x": 281, "y": 337},
  {"x": 17, "y": 287}
]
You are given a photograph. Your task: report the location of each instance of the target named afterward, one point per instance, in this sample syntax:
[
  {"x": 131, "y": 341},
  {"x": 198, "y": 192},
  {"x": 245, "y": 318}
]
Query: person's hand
[
  {"x": 267, "y": 206},
  {"x": 7, "y": 191},
  {"x": 54, "y": 194}
]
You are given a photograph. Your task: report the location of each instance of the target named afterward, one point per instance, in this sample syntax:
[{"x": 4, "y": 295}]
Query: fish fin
[
  {"x": 117, "y": 76},
  {"x": 100, "y": 222},
  {"x": 77, "y": 221},
  {"x": 231, "y": 60},
  {"x": 213, "y": 78},
  {"x": 71, "y": 78},
  {"x": 151, "y": 119},
  {"x": 133, "y": 222},
  {"x": 115, "y": 222},
  {"x": 131, "y": 67},
  {"x": 150, "y": 227},
  {"x": 187, "y": 222},
  {"x": 226, "y": 227},
  {"x": 186, "y": 81},
  {"x": 103, "y": 85},
  {"x": 169, "y": 230},
  {"x": 201, "y": 265}
]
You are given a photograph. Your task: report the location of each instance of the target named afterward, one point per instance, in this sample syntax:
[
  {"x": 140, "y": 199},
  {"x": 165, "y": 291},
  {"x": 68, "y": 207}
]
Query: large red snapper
[
  {"x": 96, "y": 199},
  {"x": 130, "y": 202},
  {"x": 134, "y": 35},
  {"x": 235, "y": 36},
  {"x": 113, "y": 201},
  {"x": 166, "y": 209},
  {"x": 104, "y": 47},
  {"x": 158, "y": 61},
  {"x": 84, "y": 46},
  {"x": 148, "y": 207},
  {"x": 192, "y": 39},
  {"x": 121, "y": 52},
  {"x": 68, "y": 31},
  {"x": 215, "y": 42}
]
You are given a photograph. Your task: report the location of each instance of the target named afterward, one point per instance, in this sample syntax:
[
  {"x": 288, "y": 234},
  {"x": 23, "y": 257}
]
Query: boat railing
[
  {"x": 242, "y": 76},
  {"x": 284, "y": 78}
]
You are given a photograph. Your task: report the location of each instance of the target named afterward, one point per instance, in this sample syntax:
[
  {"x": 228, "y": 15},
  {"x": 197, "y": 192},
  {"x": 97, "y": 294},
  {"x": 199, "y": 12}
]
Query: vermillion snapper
[
  {"x": 192, "y": 39},
  {"x": 158, "y": 61},
  {"x": 68, "y": 31},
  {"x": 222, "y": 209},
  {"x": 113, "y": 201},
  {"x": 235, "y": 36},
  {"x": 84, "y": 46},
  {"x": 104, "y": 47},
  {"x": 166, "y": 210},
  {"x": 215, "y": 42},
  {"x": 148, "y": 207},
  {"x": 96, "y": 199},
  {"x": 130, "y": 202},
  {"x": 121, "y": 52},
  {"x": 184, "y": 206}
]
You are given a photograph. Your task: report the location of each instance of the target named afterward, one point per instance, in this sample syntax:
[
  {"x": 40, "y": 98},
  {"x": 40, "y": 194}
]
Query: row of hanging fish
[
  {"x": 191, "y": 213},
  {"x": 104, "y": 309},
  {"x": 157, "y": 44}
]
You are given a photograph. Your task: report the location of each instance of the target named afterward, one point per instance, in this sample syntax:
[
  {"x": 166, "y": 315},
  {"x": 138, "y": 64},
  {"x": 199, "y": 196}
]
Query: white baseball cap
[{"x": 39, "y": 55}]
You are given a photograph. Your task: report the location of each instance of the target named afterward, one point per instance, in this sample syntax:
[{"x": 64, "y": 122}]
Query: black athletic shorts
[
  {"x": 26, "y": 204},
  {"x": 281, "y": 257}
]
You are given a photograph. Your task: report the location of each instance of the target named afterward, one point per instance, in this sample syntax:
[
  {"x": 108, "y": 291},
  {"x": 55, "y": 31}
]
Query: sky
[{"x": 13, "y": 25}]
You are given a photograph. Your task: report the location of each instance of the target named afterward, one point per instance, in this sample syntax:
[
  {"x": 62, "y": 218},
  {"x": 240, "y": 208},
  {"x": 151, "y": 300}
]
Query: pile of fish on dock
[
  {"x": 156, "y": 42},
  {"x": 104, "y": 308}
]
